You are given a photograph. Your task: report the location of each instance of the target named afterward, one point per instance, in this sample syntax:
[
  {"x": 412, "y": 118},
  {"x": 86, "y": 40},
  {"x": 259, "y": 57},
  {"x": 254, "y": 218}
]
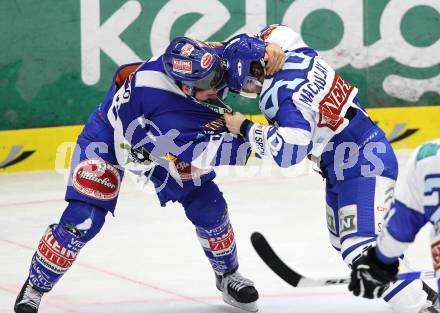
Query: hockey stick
[{"x": 295, "y": 279}]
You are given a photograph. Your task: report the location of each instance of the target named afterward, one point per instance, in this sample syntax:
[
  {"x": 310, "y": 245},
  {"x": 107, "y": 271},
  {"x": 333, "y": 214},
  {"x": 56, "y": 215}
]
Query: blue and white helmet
[
  {"x": 193, "y": 63},
  {"x": 245, "y": 57}
]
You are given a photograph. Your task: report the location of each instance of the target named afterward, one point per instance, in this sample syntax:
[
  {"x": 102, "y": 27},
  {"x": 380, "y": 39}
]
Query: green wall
[{"x": 57, "y": 57}]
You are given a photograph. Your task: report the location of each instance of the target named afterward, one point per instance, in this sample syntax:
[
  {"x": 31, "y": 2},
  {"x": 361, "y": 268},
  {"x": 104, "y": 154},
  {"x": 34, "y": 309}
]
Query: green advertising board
[{"x": 58, "y": 57}]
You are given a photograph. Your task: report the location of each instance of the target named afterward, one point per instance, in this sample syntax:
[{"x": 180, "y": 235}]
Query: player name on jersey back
[{"x": 327, "y": 93}]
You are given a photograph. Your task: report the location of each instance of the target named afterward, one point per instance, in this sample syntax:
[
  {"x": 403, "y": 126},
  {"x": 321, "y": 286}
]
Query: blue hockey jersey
[{"x": 151, "y": 119}]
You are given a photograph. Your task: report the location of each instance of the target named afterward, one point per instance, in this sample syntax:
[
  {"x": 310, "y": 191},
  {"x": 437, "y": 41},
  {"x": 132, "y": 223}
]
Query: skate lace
[
  {"x": 238, "y": 282},
  {"x": 31, "y": 297}
]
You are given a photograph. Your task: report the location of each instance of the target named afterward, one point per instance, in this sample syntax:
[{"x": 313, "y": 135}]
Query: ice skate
[
  {"x": 28, "y": 299},
  {"x": 238, "y": 291}
]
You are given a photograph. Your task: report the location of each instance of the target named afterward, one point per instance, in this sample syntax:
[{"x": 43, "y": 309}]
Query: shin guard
[
  {"x": 56, "y": 252},
  {"x": 218, "y": 242}
]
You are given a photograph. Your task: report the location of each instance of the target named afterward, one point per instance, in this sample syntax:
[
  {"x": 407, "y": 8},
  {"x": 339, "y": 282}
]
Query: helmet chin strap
[{"x": 217, "y": 105}]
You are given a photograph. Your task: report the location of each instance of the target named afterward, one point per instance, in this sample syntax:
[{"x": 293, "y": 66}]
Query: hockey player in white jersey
[
  {"x": 315, "y": 113},
  {"x": 416, "y": 203}
]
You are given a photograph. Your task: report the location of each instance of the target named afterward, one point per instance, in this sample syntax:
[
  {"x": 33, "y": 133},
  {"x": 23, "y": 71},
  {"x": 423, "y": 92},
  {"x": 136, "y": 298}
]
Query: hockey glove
[
  {"x": 139, "y": 156},
  {"x": 370, "y": 277}
]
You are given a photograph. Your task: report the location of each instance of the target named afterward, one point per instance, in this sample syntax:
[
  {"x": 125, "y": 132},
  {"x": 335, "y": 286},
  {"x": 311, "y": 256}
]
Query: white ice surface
[{"x": 147, "y": 259}]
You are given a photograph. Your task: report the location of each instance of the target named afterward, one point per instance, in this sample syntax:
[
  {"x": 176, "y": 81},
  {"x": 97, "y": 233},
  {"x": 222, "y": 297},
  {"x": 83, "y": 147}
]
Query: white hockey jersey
[
  {"x": 307, "y": 83},
  {"x": 417, "y": 202}
]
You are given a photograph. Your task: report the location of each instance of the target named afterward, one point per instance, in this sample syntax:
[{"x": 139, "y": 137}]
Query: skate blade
[{"x": 250, "y": 307}]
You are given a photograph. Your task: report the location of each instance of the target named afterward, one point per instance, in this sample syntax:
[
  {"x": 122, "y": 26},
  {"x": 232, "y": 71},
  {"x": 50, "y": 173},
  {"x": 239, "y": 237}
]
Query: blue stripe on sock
[
  {"x": 396, "y": 290},
  {"x": 354, "y": 247},
  {"x": 337, "y": 249}
]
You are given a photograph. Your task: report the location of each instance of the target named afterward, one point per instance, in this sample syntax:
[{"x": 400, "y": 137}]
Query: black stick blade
[{"x": 266, "y": 253}]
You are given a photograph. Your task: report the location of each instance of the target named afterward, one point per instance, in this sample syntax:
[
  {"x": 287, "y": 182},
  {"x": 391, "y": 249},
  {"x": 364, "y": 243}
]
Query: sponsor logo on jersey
[
  {"x": 348, "y": 223},
  {"x": 206, "y": 60},
  {"x": 96, "y": 179},
  {"x": 258, "y": 138},
  {"x": 216, "y": 124},
  {"x": 186, "y": 50},
  {"x": 435, "y": 250},
  {"x": 347, "y": 220},
  {"x": 224, "y": 244},
  {"x": 331, "y": 222},
  {"x": 331, "y": 106},
  {"x": 188, "y": 172},
  {"x": 182, "y": 66},
  {"x": 379, "y": 214},
  {"x": 266, "y": 33},
  {"x": 381, "y": 208},
  {"x": 53, "y": 255}
]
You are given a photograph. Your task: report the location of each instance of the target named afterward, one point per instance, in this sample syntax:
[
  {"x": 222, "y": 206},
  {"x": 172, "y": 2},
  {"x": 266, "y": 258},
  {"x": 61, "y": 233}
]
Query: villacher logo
[{"x": 97, "y": 179}]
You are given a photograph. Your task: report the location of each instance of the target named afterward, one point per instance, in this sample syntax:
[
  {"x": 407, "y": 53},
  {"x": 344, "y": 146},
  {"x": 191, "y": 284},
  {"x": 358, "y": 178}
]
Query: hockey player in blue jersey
[
  {"x": 417, "y": 202},
  {"x": 314, "y": 113},
  {"x": 162, "y": 119}
]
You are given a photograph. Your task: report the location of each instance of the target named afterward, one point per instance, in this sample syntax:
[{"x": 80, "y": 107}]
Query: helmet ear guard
[{"x": 193, "y": 63}]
